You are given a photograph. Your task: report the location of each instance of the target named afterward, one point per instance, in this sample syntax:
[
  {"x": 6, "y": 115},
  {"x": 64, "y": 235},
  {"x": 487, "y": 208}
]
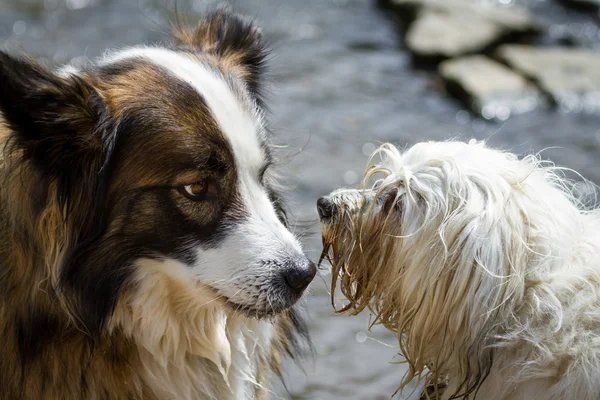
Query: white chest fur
[
  {"x": 230, "y": 372},
  {"x": 189, "y": 346}
]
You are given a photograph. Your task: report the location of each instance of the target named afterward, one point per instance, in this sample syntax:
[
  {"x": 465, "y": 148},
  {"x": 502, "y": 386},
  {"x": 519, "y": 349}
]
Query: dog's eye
[{"x": 200, "y": 190}]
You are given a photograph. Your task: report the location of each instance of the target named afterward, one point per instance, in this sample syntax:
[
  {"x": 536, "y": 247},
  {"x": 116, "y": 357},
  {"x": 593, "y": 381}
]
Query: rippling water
[{"x": 341, "y": 84}]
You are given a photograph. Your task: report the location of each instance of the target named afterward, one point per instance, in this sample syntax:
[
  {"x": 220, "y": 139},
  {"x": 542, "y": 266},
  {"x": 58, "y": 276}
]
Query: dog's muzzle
[
  {"x": 326, "y": 208},
  {"x": 347, "y": 201}
]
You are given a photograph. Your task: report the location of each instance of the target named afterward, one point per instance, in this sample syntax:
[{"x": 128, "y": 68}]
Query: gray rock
[
  {"x": 571, "y": 77},
  {"x": 450, "y": 28},
  {"x": 489, "y": 88}
]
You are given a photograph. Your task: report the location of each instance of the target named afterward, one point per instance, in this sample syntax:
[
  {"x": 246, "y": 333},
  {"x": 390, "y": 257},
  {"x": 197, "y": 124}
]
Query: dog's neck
[
  {"x": 190, "y": 344},
  {"x": 170, "y": 342},
  {"x": 243, "y": 359}
]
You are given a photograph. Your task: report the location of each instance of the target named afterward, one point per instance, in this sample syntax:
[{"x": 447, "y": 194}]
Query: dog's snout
[
  {"x": 325, "y": 207},
  {"x": 298, "y": 278}
]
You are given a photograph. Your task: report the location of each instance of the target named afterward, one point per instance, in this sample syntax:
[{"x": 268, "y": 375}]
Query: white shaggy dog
[{"x": 486, "y": 266}]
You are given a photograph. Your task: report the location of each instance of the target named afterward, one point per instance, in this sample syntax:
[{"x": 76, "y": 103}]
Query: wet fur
[
  {"x": 485, "y": 266},
  {"x": 93, "y": 305}
]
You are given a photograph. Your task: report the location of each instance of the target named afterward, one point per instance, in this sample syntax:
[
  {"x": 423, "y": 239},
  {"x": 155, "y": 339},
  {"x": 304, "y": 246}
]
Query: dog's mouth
[
  {"x": 254, "y": 311},
  {"x": 329, "y": 225},
  {"x": 333, "y": 224},
  {"x": 261, "y": 311},
  {"x": 249, "y": 311},
  {"x": 333, "y": 253},
  {"x": 342, "y": 248}
]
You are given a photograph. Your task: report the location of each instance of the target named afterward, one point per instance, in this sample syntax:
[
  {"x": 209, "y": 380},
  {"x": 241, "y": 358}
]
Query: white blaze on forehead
[
  {"x": 240, "y": 122},
  {"x": 249, "y": 250}
]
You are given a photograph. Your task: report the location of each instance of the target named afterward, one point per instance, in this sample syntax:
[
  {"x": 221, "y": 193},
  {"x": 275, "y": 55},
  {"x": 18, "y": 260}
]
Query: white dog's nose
[{"x": 325, "y": 207}]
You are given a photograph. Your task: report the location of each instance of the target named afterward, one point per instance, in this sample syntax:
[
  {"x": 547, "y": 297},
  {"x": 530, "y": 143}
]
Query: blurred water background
[{"x": 342, "y": 82}]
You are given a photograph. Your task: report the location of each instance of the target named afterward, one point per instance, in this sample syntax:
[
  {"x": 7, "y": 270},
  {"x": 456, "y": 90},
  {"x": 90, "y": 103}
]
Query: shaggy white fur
[{"x": 486, "y": 266}]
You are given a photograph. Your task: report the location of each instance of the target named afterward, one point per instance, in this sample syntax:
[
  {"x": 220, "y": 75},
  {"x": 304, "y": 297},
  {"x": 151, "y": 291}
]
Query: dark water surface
[{"x": 341, "y": 84}]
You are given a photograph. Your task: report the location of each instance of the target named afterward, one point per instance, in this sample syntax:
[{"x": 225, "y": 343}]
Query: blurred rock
[
  {"x": 490, "y": 89},
  {"x": 450, "y": 28},
  {"x": 570, "y": 76},
  {"x": 573, "y": 34}
]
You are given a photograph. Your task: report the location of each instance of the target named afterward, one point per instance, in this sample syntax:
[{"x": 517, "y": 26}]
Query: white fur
[
  {"x": 188, "y": 344},
  {"x": 67, "y": 70},
  {"x": 491, "y": 254}
]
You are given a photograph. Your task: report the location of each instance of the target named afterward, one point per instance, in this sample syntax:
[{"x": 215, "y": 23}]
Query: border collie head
[{"x": 153, "y": 166}]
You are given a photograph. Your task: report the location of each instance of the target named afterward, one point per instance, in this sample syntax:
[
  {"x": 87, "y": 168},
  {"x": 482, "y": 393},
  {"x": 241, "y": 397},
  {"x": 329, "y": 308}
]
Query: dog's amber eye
[
  {"x": 197, "y": 189},
  {"x": 201, "y": 190}
]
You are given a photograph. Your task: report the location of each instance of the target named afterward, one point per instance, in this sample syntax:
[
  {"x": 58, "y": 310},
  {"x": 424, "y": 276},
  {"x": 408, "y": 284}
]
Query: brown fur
[
  {"x": 68, "y": 364},
  {"x": 50, "y": 348}
]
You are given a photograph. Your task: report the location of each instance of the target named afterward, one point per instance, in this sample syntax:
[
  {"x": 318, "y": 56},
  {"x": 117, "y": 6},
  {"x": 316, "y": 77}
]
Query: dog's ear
[
  {"x": 52, "y": 120},
  {"x": 59, "y": 126},
  {"x": 237, "y": 42}
]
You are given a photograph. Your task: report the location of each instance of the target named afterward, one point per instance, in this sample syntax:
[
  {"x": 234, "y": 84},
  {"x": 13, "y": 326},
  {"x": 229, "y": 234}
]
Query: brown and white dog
[
  {"x": 485, "y": 265},
  {"x": 144, "y": 252}
]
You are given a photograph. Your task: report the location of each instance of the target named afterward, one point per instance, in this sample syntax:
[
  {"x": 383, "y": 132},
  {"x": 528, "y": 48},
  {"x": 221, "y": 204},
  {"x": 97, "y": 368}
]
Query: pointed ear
[
  {"x": 237, "y": 42},
  {"x": 54, "y": 121}
]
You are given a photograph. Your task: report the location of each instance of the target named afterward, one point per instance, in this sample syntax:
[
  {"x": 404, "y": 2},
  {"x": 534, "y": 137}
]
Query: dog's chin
[
  {"x": 255, "y": 312},
  {"x": 262, "y": 310}
]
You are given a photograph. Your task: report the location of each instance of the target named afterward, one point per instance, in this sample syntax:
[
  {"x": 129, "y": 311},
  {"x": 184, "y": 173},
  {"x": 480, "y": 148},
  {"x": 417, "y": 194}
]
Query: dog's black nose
[
  {"x": 325, "y": 207},
  {"x": 299, "y": 278}
]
